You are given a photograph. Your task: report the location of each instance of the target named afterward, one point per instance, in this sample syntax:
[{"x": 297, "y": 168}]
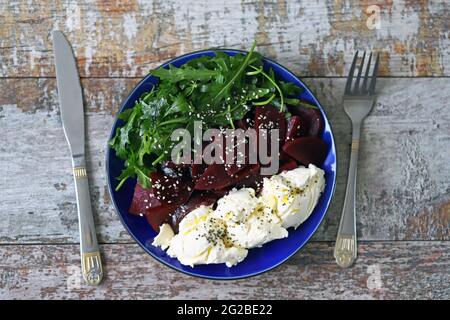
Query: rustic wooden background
[{"x": 404, "y": 170}]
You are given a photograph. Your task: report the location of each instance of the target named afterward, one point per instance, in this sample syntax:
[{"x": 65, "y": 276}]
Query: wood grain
[
  {"x": 404, "y": 173},
  {"x": 403, "y": 182},
  {"x": 313, "y": 38},
  {"x": 384, "y": 270}
]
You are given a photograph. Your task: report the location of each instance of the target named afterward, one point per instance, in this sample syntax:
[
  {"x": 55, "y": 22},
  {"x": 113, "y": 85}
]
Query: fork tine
[
  {"x": 348, "y": 85},
  {"x": 366, "y": 75},
  {"x": 374, "y": 76},
  {"x": 358, "y": 78}
]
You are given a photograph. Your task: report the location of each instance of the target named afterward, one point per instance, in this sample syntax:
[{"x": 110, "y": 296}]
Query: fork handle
[{"x": 345, "y": 250}]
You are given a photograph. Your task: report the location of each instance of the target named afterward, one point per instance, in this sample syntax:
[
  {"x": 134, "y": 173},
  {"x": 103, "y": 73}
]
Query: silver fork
[{"x": 358, "y": 101}]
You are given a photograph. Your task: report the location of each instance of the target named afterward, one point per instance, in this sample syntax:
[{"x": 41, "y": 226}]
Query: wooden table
[{"x": 403, "y": 196}]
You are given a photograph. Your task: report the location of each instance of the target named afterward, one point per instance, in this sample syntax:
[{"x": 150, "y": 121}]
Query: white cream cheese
[
  {"x": 164, "y": 237},
  {"x": 248, "y": 224},
  {"x": 242, "y": 221},
  {"x": 202, "y": 240},
  {"x": 237, "y": 205},
  {"x": 294, "y": 194}
]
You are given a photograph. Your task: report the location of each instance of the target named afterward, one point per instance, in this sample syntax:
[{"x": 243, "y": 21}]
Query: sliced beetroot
[
  {"x": 283, "y": 156},
  {"x": 296, "y": 127},
  {"x": 249, "y": 171},
  {"x": 159, "y": 215},
  {"x": 243, "y": 124},
  {"x": 221, "y": 192},
  {"x": 234, "y": 151},
  {"x": 174, "y": 170},
  {"x": 215, "y": 177},
  {"x": 143, "y": 199},
  {"x": 197, "y": 199},
  {"x": 197, "y": 170},
  {"x": 171, "y": 190},
  {"x": 252, "y": 180},
  {"x": 307, "y": 150},
  {"x": 268, "y": 117},
  {"x": 288, "y": 165},
  {"x": 311, "y": 115},
  {"x": 157, "y": 202},
  {"x": 233, "y": 169}
]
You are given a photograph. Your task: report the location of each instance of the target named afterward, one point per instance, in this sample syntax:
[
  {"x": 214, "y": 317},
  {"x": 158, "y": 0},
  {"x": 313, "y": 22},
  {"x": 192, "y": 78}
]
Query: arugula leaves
[{"x": 216, "y": 90}]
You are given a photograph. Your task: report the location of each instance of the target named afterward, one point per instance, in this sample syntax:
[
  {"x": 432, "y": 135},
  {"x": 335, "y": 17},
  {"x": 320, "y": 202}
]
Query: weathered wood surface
[
  {"x": 404, "y": 172},
  {"x": 315, "y": 38},
  {"x": 384, "y": 270}
]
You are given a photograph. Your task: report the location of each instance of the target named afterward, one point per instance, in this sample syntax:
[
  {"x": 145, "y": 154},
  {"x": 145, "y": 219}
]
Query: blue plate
[{"x": 258, "y": 260}]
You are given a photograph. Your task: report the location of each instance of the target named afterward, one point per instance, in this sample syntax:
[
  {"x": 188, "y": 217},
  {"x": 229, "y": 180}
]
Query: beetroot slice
[
  {"x": 215, "y": 177},
  {"x": 197, "y": 170},
  {"x": 159, "y": 215},
  {"x": 174, "y": 170},
  {"x": 288, "y": 165},
  {"x": 246, "y": 173},
  {"x": 243, "y": 124},
  {"x": 283, "y": 156},
  {"x": 197, "y": 199},
  {"x": 171, "y": 190},
  {"x": 157, "y": 202},
  {"x": 307, "y": 150},
  {"x": 312, "y": 116},
  {"x": 296, "y": 127},
  {"x": 234, "y": 167},
  {"x": 229, "y": 156},
  {"x": 268, "y": 117},
  {"x": 143, "y": 199},
  {"x": 254, "y": 180},
  {"x": 221, "y": 192}
]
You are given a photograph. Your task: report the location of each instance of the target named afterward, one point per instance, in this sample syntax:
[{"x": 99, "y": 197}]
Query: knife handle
[{"x": 91, "y": 263}]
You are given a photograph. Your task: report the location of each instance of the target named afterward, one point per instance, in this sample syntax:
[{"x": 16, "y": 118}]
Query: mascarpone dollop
[
  {"x": 202, "y": 240},
  {"x": 164, "y": 237},
  {"x": 242, "y": 220},
  {"x": 248, "y": 224},
  {"x": 294, "y": 194}
]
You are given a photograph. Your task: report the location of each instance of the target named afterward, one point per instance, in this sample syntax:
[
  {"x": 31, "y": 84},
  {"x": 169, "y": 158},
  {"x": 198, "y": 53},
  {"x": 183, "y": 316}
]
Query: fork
[{"x": 358, "y": 101}]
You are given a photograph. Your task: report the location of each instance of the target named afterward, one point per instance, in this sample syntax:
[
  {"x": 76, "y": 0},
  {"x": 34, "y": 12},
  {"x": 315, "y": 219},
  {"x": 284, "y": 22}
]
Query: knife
[{"x": 72, "y": 115}]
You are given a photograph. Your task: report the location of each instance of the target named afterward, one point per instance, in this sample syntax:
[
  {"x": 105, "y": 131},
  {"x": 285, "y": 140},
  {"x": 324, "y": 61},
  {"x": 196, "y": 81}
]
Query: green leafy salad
[{"x": 216, "y": 90}]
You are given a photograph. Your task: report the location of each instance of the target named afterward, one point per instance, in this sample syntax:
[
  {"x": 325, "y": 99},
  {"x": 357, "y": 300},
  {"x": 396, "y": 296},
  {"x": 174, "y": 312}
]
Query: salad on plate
[{"x": 226, "y": 157}]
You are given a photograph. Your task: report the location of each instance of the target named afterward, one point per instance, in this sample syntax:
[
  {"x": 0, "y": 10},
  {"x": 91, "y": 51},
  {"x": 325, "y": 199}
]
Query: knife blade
[{"x": 72, "y": 116}]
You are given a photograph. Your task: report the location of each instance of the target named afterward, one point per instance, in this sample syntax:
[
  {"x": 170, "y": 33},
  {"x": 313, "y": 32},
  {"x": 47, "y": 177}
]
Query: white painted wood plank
[
  {"x": 384, "y": 270},
  {"x": 126, "y": 38}
]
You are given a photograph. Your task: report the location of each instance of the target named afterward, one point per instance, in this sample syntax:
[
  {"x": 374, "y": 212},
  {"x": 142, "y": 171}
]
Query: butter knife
[{"x": 72, "y": 115}]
